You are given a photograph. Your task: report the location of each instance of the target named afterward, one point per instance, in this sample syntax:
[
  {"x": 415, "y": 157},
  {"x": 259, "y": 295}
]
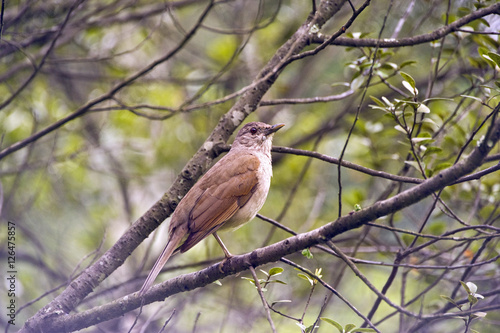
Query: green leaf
[
  {"x": 472, "y": 299},
  {"x": 408, "y": 79},
  {"x": 387, "y": 102},
  {"x": 306, "y": 277},
  {"x": 349, "y": 327},
  {"x": 479, "y": 315},
  {"x": 307, "y": 253},
  {"x": 217, "y": 282},
  {"x": 310, "y": 328},
  {"x": 277, "y": 281},
  {"x": 302, "y": 326},
  {"x": 432, "y": 150},
  {"x": 376, "y": 107},
  {"x": 400, "y": 128},
  {"x": 423, "y": 109},
  {"x": 495, "y": 57},
  {"x": 280, "y": 301},
  {"x": 252, "y": 281},
  {"x": 357, "y": 82},
  {"x": 472, "y": 97},
  {"x": 466, "y": 287},
  {"x": 334, "y": 323},
  {"x": 275, "y": 271},
  {"x": 410, "y": 88},
  {"x": 449, "y": 299},
  {"x": 263, "y": 271},
  {"x": 420, "y": 140},
  {"x": 472, "y": 287},
  {"x": 378, "y": 101},
  {"x": 407, "y": 63},
  {"x": 413, "y": 164},
  {"x": 441, "y": 166}
]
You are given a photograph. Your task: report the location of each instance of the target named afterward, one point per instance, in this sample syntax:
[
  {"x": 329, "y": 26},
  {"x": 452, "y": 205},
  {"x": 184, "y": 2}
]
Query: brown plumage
[{"x": 227, "y": 196}]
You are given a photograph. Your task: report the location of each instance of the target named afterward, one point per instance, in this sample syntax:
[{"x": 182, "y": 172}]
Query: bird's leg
[{"x": 224, "y": 248}]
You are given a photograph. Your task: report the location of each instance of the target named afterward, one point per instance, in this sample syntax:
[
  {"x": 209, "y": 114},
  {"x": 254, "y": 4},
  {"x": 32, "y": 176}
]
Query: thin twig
[{"x": 262, "y": 298}]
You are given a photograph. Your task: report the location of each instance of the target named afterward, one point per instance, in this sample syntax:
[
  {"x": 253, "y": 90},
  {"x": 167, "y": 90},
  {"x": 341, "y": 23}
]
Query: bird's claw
[{"x": 223, "y": 262}]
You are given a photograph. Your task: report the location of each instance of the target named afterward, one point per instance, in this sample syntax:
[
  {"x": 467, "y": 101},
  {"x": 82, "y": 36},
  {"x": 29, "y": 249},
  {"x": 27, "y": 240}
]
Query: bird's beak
[{"x": 274, "y": 128}]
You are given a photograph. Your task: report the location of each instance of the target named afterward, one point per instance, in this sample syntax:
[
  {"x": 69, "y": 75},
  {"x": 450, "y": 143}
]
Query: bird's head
[{"x": 256, "y": 135}]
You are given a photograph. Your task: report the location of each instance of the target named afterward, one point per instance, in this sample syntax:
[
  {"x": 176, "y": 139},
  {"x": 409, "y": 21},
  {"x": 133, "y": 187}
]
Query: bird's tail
[{"x": 160, "y": 262}]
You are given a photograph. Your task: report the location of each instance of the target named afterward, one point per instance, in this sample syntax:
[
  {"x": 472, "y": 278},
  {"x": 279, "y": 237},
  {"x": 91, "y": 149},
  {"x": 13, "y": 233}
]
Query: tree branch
[{"x": 409, "y": 41}]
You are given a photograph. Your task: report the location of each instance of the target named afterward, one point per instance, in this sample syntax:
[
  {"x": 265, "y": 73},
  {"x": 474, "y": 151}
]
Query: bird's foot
[{"x": 223, "y": 262}]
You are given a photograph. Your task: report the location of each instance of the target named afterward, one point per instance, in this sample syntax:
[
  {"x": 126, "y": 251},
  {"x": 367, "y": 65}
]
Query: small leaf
[
  {"x": 401, "y": 129},
  {"x": 410, "y": 88},
  {"x": 302, "y": 326},
  {"x": 276, "y": 281},
  {"x": 310, "y": 328},
  {"x": 305, "y": 277},
  {"x": 280, "y": 301},
  {"x": 495, "y": 57},
  {"x": 413, "y": 164},
  {"x": 408, "y": 79},
  {"x": 217, "y": 282},
  {"x": 472, "y": 300},
  {"x": 252, "y": 281},
  {"x": 334, "y": 323},
  {"x": 465, "y": 286},
  {"x": 407, "y": 63},
  {"x": 479, "y": 314},
  {"x": 472, "y": 287},
  {"x": 387, "y": 102},
  {"x": 449, "y": 299},
  {"x": 432, "y": 150},
  {"x": 378, "y": 101},
  {"x": 472, "y": 97},
  {"x": 376, "y": 107},
  {"x": 349, "y": 327},
  {"x": 357, "y": 82},
  {"x": 307, "y": 253},
  {"x": 423, "y": 109},
  {"x": 441, "y": 166},
  {"x": 418, "y": 140},
  {"x": 275, "y": 271}
]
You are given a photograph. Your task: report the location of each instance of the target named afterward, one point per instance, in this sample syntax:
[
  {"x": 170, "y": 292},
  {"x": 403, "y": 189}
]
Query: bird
[{"x": 227, "y": 196}]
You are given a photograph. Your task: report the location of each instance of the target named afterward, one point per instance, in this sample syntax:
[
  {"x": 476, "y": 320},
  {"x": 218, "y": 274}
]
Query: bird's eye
[{"x": 253, "y": 130}]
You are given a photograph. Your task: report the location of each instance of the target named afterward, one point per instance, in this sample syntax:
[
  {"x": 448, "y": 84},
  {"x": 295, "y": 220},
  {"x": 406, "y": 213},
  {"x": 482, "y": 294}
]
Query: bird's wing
[{"x": 226, "y": 188}]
